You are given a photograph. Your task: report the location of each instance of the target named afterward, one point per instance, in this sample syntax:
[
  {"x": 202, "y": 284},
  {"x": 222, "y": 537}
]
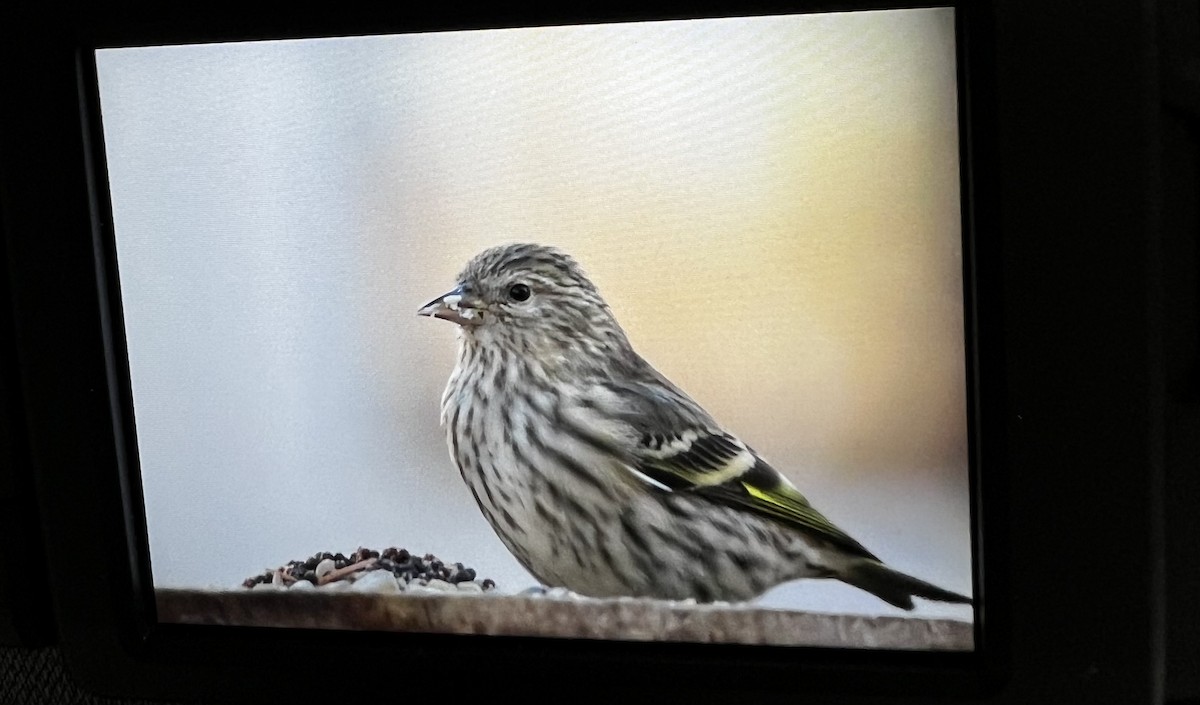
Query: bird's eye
[{"x": 519, "y": 292}]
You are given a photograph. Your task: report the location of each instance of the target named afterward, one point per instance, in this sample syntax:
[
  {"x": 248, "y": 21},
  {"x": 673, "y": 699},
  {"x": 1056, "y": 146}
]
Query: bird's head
[{"x": 530, "y": 297}]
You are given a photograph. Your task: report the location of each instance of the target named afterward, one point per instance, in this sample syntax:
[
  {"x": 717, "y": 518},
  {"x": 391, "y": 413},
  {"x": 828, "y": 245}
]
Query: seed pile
[{"x": 390, "y": 570}]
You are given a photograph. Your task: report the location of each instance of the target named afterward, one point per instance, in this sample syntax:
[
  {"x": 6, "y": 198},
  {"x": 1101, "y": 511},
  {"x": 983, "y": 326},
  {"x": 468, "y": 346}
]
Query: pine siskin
[{"x": 603, "y": 477}]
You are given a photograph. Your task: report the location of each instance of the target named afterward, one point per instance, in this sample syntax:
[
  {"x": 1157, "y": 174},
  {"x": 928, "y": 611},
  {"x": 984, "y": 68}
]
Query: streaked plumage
[{"x": 602, "y": 476}]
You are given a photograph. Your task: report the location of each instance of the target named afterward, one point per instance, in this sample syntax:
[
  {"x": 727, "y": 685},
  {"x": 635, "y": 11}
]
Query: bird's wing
[
  {"x": 721, "y": 468},
  {"x": 669, "y": 439}
]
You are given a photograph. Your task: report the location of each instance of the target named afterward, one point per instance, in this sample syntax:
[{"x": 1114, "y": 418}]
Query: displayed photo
[{"x": 634, "y": 331}]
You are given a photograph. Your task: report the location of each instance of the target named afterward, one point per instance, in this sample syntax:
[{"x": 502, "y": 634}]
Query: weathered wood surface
[{"x": 516, "y": 615}]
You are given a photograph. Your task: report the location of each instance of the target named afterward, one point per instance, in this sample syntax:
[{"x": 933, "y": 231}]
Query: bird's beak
[{"x": 452, "y": 306}]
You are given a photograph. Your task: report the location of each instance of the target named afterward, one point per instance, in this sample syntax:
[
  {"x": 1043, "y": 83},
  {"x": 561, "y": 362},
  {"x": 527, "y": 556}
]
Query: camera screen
[{"x": 659, "y": 323}]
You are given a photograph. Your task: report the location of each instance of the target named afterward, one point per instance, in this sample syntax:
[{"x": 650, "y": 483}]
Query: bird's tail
[{"x": 895, "y": 587}]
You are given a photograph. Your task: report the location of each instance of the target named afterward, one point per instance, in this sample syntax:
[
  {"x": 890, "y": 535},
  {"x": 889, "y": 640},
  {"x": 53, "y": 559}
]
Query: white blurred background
[{"x": 770, "y": 205}]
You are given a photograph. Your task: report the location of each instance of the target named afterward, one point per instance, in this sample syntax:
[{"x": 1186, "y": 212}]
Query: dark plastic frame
[{"x": 76, "y": 411}]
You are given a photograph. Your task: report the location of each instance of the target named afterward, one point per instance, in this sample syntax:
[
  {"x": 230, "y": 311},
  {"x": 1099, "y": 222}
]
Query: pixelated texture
[{"x": 37, "y": 676}]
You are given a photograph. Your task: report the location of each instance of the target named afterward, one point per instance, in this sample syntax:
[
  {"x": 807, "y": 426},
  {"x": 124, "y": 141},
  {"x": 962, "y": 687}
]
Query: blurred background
[{"x": 770, "y": 206}]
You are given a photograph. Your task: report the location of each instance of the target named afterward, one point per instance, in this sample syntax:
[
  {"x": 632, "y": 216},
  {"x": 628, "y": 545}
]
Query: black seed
[{"x": 398, "y": 561}]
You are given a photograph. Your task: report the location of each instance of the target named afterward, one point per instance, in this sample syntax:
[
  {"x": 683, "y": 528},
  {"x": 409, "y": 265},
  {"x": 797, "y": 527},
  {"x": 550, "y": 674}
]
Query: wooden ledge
[{"x": 518, "y": 615}]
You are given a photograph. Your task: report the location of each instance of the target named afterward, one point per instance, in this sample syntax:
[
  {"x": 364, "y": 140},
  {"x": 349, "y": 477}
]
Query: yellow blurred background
[{"x": 770, "y": 206}]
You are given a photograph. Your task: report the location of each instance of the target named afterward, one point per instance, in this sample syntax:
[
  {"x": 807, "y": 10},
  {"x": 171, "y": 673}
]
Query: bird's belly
[
  {"x": 555, "y": 514},
  {"x": 606, "y": 537}
]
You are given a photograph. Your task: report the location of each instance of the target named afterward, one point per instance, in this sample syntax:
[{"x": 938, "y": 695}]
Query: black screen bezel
[{"x": 168, "y": 656}]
